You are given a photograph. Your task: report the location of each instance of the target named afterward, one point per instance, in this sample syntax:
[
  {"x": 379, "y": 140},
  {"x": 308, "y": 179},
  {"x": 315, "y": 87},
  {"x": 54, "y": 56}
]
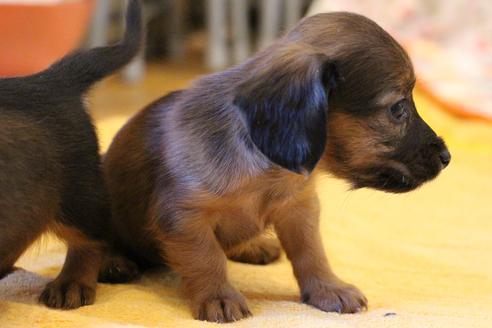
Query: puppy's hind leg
[
  {"x": 117, "y": 269},
  {"x": 261, "y": 250}
]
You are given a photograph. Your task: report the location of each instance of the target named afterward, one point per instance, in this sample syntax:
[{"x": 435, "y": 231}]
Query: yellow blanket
[{"x": 423, "y": 259}]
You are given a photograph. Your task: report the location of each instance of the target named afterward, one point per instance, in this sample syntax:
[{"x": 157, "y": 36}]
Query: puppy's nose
[{"x": 445, "y": 157}]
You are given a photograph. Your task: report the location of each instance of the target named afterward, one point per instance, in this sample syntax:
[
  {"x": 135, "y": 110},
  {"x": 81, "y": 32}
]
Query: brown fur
[
  {"x": 201, "y": 174},
  {"x": 50, "y": 167},
  {"x": 76, "y": 284},
  {"x": 359, "y": 144}
]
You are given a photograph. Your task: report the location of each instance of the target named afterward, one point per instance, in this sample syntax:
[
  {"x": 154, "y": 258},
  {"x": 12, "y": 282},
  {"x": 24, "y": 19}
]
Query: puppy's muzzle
[{"x": 445, "y": 157}]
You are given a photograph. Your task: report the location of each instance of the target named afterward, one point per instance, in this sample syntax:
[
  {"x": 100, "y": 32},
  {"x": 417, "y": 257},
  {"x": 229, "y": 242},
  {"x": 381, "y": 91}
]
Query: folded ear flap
[{"x": 284, "y": 100}]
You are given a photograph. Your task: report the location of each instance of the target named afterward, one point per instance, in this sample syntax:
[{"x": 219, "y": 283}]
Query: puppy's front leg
[
  {"x": 193, "y": 251},
  {"x": 298, "y": 230}
]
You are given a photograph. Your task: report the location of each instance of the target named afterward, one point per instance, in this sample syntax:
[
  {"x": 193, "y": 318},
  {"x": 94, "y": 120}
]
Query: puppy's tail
[{"x": 76, "y": 72}]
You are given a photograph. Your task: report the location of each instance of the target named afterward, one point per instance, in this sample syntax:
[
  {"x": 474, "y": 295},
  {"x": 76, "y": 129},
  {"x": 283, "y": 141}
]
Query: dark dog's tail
[
  {"x": 75, "y": 73},
  {"x": 79, "y": 70}
]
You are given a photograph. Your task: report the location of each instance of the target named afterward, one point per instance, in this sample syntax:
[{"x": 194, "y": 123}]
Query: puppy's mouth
[
  {"x": 388, "y": 179},
  {"x": 396, "y": 177}
]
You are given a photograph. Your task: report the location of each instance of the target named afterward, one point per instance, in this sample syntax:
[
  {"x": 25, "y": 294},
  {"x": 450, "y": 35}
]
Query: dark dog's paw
[
  {"x": 228, "y": 306},
  {"x": 334, "y": 297},
  {"x": 6, "y": 272},
  {"x": 118, "y": 269},
  {"x": 262, "y": 251},
  {"x": 67, "y": 295}
]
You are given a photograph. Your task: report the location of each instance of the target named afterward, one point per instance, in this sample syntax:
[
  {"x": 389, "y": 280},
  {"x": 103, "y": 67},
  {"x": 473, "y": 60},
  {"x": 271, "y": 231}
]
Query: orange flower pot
[{"x": 34, "y": 35}]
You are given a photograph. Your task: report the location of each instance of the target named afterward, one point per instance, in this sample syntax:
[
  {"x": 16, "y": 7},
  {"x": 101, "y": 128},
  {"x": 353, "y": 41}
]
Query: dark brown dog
[
  {"x": 200, "y": 174},
  {"x": 50, "y": 176}
]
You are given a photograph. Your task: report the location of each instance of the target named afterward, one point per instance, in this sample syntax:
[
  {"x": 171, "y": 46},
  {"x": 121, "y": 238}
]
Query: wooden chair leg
[
  {"x": 240, "y": 26},
  {"x": 270, "y": 21},
  {"x": 100, "y": 22},
  {"x": 293, "y": 12},
  {"x": 217, "y": 50}
]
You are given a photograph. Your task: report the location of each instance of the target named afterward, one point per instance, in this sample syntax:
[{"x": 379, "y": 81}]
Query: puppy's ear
[{"x": 284, "y": 100}]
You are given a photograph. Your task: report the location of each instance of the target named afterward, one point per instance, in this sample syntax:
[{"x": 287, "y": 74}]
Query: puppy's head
[{"x": 337, "y": 91}]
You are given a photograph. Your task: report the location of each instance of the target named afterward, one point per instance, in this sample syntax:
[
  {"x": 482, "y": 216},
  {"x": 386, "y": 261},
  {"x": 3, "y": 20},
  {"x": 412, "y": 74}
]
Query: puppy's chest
[{"x": 245, "y": 216}]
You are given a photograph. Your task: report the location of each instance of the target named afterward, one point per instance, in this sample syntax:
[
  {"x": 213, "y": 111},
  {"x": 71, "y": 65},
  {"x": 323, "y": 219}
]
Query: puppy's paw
[
  {"x": 227, "y": 306},
  {"x": 262, "y": 251},
  {"x": 67, "y": 295},
  {"x": 117, "y": 269},
  {"x": 334, "y": 296}
]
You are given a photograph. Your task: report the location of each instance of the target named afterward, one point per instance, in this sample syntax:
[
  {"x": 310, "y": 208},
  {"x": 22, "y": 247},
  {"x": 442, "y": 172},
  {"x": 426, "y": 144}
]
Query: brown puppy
[
  {"x": 50, "y": 176},
  {"x": 200, "y": 174}
]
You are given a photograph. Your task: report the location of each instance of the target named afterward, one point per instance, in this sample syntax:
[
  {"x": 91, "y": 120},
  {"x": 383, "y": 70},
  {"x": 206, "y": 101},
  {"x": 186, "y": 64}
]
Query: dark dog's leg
[
  {"x": 83, "y": 224},
  {"x": 261, "y": 250},
  {"x": 24, "y": 216},
  {"x": 298, "y": 231},
  {"x": 193, "y": 251},
  {"x": 15, "y": 237},
  {"x": 75, "y": 286}
]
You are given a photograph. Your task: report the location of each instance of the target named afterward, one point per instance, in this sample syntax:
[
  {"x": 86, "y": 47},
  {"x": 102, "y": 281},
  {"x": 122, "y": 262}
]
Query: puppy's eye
[{"x": 399, "y": 111}]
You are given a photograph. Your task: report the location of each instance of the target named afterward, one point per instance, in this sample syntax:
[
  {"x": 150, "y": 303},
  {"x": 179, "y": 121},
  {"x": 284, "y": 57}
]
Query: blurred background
[{"x": 450, "y": 41}]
